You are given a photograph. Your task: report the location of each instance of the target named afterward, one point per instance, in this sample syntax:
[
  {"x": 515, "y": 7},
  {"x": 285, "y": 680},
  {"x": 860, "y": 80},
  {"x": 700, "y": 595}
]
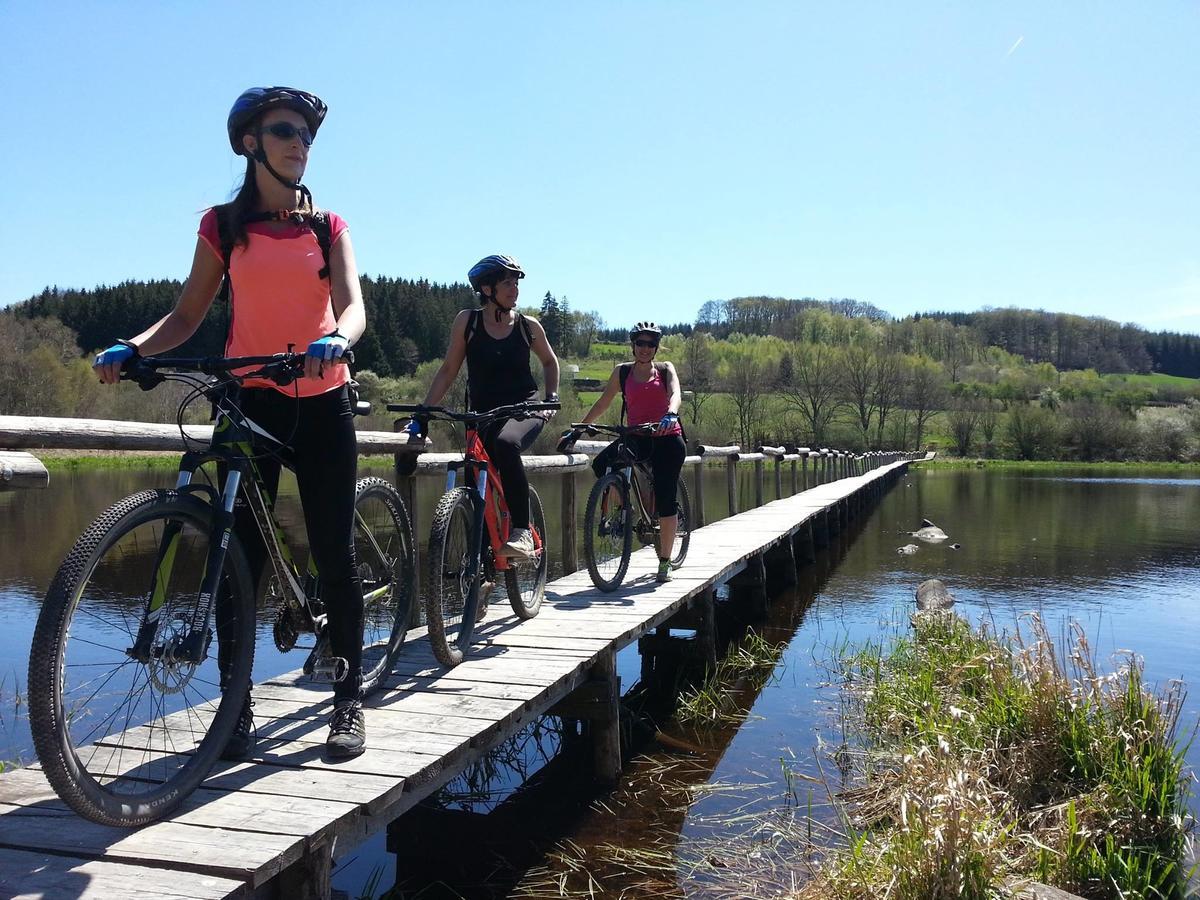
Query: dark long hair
[{"x": 243, "y": 203}]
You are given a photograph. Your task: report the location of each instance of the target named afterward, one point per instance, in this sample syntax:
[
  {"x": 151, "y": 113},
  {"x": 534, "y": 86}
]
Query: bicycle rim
[
  {"x": 526, "y": 579},
  {"x": 383, "y": 554},
  {"x": 124, "y": 741},
  {"x": 608, "y": 532},
  {"x": 449, "y": 582}
]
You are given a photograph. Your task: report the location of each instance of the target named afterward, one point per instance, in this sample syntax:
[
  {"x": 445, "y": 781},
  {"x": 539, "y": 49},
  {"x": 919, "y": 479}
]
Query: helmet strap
[{"x": 260, "y": 155}]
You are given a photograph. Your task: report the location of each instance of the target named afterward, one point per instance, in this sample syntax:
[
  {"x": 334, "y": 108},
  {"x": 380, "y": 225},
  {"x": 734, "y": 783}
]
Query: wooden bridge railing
[{"x": 808, "y": 467}]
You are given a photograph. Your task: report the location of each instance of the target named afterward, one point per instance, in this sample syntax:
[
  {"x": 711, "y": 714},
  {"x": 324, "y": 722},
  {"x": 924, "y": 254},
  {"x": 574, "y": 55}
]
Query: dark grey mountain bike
[{"x": 130, "y": 703}]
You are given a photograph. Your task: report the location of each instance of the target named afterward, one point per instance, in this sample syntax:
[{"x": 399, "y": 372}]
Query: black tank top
[{"x": 498, "y": 370}]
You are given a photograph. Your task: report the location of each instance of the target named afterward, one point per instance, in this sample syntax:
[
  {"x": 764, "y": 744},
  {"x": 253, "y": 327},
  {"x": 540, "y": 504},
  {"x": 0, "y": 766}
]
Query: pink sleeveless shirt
[
  {"x": 646, "y": 402},
  {"x": 277, "y": 298}
]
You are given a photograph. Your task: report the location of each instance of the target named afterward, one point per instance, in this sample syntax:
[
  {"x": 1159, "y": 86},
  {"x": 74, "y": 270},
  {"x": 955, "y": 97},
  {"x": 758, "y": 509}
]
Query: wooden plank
[
  {"x": 243, "y": 855},
  {"x": 21, "y": 470},
  {"x": 26, "y": 875}
]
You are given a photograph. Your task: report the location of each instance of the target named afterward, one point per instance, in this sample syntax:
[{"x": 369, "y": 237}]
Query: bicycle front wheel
[
  {"x": 608, "y": 532},
  {"x": 383, "y": 553},
  {"x": 526, "y": 579},
  {"x": 124, "y": 737},
  {"x": 449, "y": 582},
  {"x": 683, "y": 524}
]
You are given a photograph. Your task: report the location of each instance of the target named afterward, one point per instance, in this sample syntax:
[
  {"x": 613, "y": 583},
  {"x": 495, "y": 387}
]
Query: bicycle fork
[
  {"x": 192, "y": 646},
  {"x": 474, "y": 561}
]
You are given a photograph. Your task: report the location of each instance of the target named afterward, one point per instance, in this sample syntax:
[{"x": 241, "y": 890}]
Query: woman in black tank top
[{"x": 496, "y": 340}]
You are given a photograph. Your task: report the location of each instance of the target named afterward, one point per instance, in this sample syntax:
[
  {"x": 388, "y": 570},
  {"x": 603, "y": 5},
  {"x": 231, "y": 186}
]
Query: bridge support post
[
  {"x": 731, "y": 484},
  {"x": 759, "y": 478},
  {"x": 698, "y": 495},
  {"x": 795, "y": 487},
  {"x": 750, "y": 587},
  {"x": 803, "y": 549},
  {"x": 308, "y": 877},
  {"x": 605, "y": 726},
  {"x": 820, "y": 528},
  {"x": 781, "y": 564},
  {"x": 779, "y": 478}
]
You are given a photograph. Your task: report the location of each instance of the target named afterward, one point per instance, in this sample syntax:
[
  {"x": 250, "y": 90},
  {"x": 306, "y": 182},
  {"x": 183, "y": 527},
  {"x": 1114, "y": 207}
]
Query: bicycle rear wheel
[
  {"x": 608, "y": 532},
  {"x": 449, "y": 582},
  {"x": 683, "y": 524},
  {"x": 383, "y": 553},
  {"x": 124, "y": 741},
  {"x": 526, "y": 579}
]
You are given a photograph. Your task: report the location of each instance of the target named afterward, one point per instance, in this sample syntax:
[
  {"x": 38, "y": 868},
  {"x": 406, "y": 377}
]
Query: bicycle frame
[{"x": 491, "y": 515}]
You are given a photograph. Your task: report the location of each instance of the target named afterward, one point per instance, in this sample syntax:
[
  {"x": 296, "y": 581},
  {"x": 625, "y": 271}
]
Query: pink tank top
[
  {"x": 646, "y": 402},
  {"x": 277, "y": 298}
]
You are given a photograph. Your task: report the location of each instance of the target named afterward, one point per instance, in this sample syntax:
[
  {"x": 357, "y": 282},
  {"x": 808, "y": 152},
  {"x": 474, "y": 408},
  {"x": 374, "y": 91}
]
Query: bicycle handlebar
[
  {"x": 616, "y": 430},
  {"x": 282, "y": 368},
  {"x": 513, "y": 410}
]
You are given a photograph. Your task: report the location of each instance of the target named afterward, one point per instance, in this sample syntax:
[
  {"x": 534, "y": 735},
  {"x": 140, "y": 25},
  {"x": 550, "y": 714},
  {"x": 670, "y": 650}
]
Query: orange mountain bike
[{"x": 463, "y": 568}]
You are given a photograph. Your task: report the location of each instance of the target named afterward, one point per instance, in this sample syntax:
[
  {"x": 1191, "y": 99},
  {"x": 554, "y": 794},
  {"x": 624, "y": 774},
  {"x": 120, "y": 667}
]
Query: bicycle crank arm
[{"x": 328, "y": 669}]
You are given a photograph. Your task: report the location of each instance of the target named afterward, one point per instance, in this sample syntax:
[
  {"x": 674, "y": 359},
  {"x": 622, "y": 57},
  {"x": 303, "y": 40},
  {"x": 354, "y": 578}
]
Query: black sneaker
[
  {"x": 241, "y": 743},
  {"x": 347, "y": 730}
]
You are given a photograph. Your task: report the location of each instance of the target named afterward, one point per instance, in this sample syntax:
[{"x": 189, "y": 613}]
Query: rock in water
[
  {"x": 933, "y": 595},
  {"x": 929, "y": 532},
  {"x": 907, "y": 549}
]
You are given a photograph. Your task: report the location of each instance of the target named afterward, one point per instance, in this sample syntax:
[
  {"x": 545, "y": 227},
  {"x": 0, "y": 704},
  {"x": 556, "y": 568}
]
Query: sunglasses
[
  {"x": 285, "y": 131},
  {"x": 640, "y": 343}
]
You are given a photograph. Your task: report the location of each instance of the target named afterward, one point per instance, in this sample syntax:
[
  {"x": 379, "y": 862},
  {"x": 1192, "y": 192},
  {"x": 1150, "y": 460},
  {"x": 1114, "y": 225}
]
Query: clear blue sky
[{"x": 639, "y": 157}]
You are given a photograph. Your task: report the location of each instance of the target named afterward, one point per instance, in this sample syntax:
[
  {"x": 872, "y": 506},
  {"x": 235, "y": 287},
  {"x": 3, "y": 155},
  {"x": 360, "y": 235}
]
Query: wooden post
[
  {"x": 820, "y": 528},
  {"x": 606, "y": 728},
  {"x": 795, "y": 489},
  {"x": 804, "y": 550},
  {"x": 804, "y": 471},
  {"x": 779, "y": 478},
  {"x": 698, "y": 505},
  {"x": 750, "y": 586},
  {"x": 308, "y": 877},
  {"x": 758, "y": 482},
  {"x": 569, "y": 558},
  {"x": 781, "y": 564},
  {"x": 705, "y": 606},
  {"x": 731, "y": 484}
]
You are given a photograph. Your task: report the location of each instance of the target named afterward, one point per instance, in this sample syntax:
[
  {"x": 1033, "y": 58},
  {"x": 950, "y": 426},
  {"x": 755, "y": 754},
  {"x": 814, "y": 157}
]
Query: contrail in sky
[{"x": 1015, "y": 46}]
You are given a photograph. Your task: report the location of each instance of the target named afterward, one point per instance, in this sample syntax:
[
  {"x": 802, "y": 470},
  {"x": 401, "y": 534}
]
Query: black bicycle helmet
[
  {"x": 645, "y": 328},
  {"x": 491, "y": 269},
  {"x": 255, "y": 101}
]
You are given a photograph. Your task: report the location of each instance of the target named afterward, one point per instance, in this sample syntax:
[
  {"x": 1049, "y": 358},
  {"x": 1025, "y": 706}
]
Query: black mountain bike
[
  {"x": 130, "y": 703},
  {"x": 463, "y": 568},
  {"x": 621, "y": 507}
]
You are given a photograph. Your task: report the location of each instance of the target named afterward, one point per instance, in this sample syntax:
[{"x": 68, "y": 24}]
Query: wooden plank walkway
[{"x": 266, "y": 827}]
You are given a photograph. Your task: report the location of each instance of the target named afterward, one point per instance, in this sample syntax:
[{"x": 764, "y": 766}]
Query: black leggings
[
  {"x": 504, "y": 441},
  {"x": 666, "y": 455},
  {"x": 326, "y": 460}
]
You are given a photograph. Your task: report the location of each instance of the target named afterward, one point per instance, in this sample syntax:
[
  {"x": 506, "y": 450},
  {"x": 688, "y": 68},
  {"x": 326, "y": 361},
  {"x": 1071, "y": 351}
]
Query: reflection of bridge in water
[{"x": 272, "y": 825}]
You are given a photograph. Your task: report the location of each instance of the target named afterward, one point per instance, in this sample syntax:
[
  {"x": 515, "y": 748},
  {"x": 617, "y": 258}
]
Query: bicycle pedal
[{"x": 330, "y": 669}]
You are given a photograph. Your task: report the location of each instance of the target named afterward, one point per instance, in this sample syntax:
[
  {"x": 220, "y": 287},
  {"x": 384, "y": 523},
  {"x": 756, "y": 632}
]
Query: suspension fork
[{"x": 475, "y": 561}]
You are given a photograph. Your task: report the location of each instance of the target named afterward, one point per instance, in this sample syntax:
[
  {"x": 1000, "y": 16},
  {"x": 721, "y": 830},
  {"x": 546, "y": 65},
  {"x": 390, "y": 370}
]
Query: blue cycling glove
[
  {"x": 417, "y": 428},
  {"x": 117, "y": 354},
  {"x": 329, "y": 348},
  {"x": 668, "y": 421}
]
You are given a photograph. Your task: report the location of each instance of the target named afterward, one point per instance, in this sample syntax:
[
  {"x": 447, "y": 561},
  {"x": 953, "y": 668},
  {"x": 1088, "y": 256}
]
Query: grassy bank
[
  {"x": 980, "y": 758},
  {"x": 1050, "y": 467}
]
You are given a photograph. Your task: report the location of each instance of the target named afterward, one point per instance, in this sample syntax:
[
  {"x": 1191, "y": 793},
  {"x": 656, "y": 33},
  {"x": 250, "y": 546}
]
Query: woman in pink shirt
[
  {"x": 652, "y": 397},
  {"x": 284, "y": 292}
]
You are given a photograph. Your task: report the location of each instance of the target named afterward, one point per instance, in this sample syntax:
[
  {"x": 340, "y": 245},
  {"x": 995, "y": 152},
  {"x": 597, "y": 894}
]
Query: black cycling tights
[
  {"x": 326, "y": 460},
  {"x": 504, "y": 442},
  {"x": 666, "y": 455}
]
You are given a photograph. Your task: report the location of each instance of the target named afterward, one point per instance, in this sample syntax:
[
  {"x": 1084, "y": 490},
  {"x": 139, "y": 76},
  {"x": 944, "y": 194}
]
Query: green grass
[
  {"x": 1154, "y": 381},
  {"x": 984, "y": 758}
]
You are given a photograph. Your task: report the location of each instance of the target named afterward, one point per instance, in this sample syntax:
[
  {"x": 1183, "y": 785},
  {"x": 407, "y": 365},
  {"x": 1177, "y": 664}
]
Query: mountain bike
[
  {"x": 621, "y": 507},
  {"x": 128, "y": 704},
  {"x": 463, "y": 569}
]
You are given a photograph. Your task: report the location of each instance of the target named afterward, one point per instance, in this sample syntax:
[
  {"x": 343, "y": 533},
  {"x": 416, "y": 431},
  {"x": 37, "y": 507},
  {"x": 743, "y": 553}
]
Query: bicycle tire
[
  {"x": 526, "y": 580},
  {"x": 144, "y": 766},
  {"x": 383, "y": 553},
  {"x": 608, "y": 533},
  {"x": 446, "y": 589},
  {"x": 683, "y": 524}
]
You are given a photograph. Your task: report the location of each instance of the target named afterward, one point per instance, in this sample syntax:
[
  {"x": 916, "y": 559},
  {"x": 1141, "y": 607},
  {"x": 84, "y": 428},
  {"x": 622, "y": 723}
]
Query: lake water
[{"x": 1118, "y": 555}]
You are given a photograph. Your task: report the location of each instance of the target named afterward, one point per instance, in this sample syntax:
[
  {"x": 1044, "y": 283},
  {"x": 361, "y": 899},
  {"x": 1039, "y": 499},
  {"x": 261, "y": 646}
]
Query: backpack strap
[
  {"x": 323, "y": 230},
  {"x": 525, "y": 329},
  {"x": 623, "y": 371},
  {"x": 474, "y": 321}
]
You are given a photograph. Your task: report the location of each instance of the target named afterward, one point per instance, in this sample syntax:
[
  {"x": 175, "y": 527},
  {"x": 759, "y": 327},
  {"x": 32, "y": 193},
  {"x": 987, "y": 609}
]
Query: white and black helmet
[{"x": 645, "y": 328}]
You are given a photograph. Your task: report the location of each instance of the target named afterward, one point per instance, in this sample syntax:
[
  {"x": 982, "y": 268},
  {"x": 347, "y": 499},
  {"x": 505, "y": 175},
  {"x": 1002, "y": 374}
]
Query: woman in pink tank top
[
  {"x": 652, "y": 397},
  {"x": 293, "y": 281}
]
